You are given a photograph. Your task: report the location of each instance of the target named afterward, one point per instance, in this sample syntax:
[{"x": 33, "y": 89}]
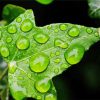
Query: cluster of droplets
[{"x": 39, "y": 62}]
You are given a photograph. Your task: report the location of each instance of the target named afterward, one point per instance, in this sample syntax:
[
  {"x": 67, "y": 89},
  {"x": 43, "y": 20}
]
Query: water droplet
[
  {"x": 4, "y": 51},
  {"x": 19, "y": 19},
  {"x": 26, "y": 25},
  {"x": 60, "y": 43},
  {"x": 22, "y": 43},
  {"x": 56, "y": 71},
  {"x": 63, "y": 27},
  {"x": 43, "y": 85},
  {"x": 57, "y": 60},
  {"x": 12, "y": 67},
  {"x": 96, "y": 34},
  {"x": 41, "y": 38},
  {"x": 50, "y": 97},
  {"x": 74, "y": 31},
  {"x": 56, "y": 30},
  {"x": 52, "y": 54},
  {"x": 29, "y": 75},
  {"x": 64, "y": 66},
  {"x": 39, "y": 97},
  {"x": 89, "y": 30},
  {"x": 49, "y": 27},
  {"x": 57, "y": 53},
  {"x": 74, "y": 54},
  {"x": 12, "y": 29},
  {"x": 9, "y": 39},
  {"x": 39, "y": 62}
]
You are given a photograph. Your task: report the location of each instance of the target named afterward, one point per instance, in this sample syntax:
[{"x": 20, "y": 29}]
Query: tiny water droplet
[
  {"x": 74, "y": 54},
  {"x": 19, "y": 19},
  {"x": 8, "y": 39},
  {"x": 29, "y": 75},
  {"x": 4, "y": 51},
  {"x": 43, "y": 85},
  {"x": 57, "y": 53},
  {"x": 60, "y": 43},
  {"x": 89, "y": 30},
  {"x": 52, "y": 54},
  {"x": 39, "y": 62},
  {"x": 57, "y": 60},
  {"x": 64, "y": 66},
  {"x": 49, "y": 27},
  {"x": 56, "y": 71},
  {"x": 56, "y": 30},
  {"x": 39, "y": 97},
  {"x": 26, "y": 25},
  {"x": 12, "y": 29},
  {"x": 12, "y": 67},
  {"x": 63, "y": 27},
  {"x": 97, "y": 34},
  {"x": 41, "y": 38},
  {"x": 50, "y": 97},
  {"x": 22, "y": 43},
  {"x": 73, "y": 32}
]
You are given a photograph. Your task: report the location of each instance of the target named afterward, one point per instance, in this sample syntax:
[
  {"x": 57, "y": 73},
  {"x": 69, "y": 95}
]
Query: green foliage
[
  {"x": 94, "y": 10},
  {"x": 37, "y": 54}
]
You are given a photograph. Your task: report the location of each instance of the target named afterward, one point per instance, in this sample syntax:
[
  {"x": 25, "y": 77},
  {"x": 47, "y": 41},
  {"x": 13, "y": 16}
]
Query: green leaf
[
  {"x": 37, "y": 54},
  {"x": 94, "y": 8}
]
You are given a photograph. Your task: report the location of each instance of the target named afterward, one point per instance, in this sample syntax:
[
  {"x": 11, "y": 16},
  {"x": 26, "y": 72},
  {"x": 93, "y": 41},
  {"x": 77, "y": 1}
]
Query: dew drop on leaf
[
  {"x": 57, "y": 53},
  {"x": 63, "y": 27},
  {"x": 50, "y": 97},
  {"x": 12, "y": 67},
  {"x": 8, "y": 39},
  {"x": 22, "y": 43},
  {"x": 60, "y": 43},
  {"x": 89, "y": 30},
  {"x": 73, "y": 32},
  {"x": 4, "y": 51},
  {"x": 18, "y": 19},
  {"x": 43, "y": 85},
  {"x": 39, "y": 62},
  {"x": 12, "y": 29},
  {"x": 26, "y": 25},
  {"x": 74, "y": 54},
  {"x": 56, "y": 71},
  {"x": 41, "y": 38},
  {"x": 57, "y": 60}
]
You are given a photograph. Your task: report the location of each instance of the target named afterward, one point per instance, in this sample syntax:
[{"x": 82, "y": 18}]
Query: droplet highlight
[
  {"x": 39, "y": 62},
  {"x": 22, "y": 43},
  {"x": 74, "y": 54},
  {"x": 12, "y": 67},
  {"x": 26, "y": 25},
  {"x": 43, "y": 85},
  {"x": 41, "y": 38}
]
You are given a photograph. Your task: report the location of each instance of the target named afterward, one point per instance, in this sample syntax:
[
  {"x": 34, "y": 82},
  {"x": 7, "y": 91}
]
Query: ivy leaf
[
  {"x": 37, "y": 54},
  {"x": 94, "y": 10}
]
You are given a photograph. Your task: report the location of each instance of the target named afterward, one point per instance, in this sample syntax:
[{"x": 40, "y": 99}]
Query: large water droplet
[
  {"x": 43, "y": 85},
  {"x": 39, "y": 62},
  {"x": 12, "y": 29},
  {"x": 12, "y": 67},
  {"x": 60, "y": 43},
  {"x": 41, "y": 38},
  {"x": 26, "y": 25},
  {"x": 22, "y": 43},
  {"x": 74, "y": 54},
  {"x": 50, "y": 97},
  {"x": 63, "y": 27},
  {"x": 74, "y": 31},
  {"x": 4, "y": 51}
]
